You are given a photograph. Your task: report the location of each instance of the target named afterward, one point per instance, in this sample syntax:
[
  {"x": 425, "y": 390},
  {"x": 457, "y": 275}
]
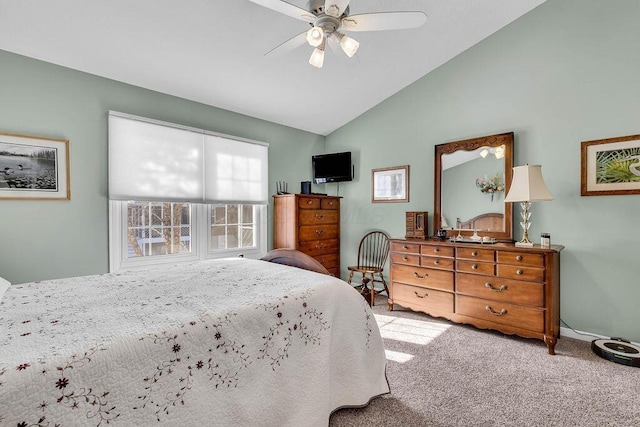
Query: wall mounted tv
[{"x": 333, "y": 167}]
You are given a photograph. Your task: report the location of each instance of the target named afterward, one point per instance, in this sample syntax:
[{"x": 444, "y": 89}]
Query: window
[
  {"x": 197, "y": 195},
  {"x": 158, "y": 228}
]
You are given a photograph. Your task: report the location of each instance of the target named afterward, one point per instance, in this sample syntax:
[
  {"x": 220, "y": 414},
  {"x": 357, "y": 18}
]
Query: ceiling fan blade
[
  {"x": 289, "y": 45},
  {"x": 383, "y": 21},
  {"x": 287, "y": 9},
  {"x": 335, "y": 8},
  {"x": 334, "y": 45}
]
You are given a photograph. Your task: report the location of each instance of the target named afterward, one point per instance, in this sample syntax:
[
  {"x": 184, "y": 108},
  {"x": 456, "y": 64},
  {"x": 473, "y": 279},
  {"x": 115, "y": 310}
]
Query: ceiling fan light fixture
[
  {"x": 317, "y": 57},
  {"x": 315, "y": 36},
  {"x": 349, "y": 45}
]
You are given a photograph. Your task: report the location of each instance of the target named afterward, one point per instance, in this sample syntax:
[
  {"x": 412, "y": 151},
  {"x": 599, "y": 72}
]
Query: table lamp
[{"x": 527, "y": 186}]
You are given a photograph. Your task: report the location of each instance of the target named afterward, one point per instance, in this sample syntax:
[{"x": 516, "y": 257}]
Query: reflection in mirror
[{"x": 471, "y": 181}]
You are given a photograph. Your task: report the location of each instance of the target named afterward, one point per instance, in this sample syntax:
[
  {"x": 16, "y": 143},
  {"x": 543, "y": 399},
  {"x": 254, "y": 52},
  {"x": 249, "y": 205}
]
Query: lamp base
[{"x": 524, "y": 244}]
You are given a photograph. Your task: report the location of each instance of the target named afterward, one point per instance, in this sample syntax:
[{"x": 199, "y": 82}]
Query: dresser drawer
[
  {"x": 319, "y": 247},
  {"x": 405, "y": 248},
  {"x": 436, "y": 250},
  {"x": 475, "y": 267},
  {"x": 423, "y": 277},
  {"x": 329, "y": 261},
  {"x": 476, "y": 254},
  {"x": 408, "y": 259},
  {"x": 529, "y": 274},
  {"x": 502, "y": 313},
  {"x": 437, "y": 262},
  {"x": 520, "y": 258},
  {"x": 317, "y": 232},
  {"x": 493, "y": 288},
  {"x": 319, "y": 216},
  {"x": 329, "y": 203},
  {"x": 427, "y": 299},
  {"x": 308, "y": 202}
]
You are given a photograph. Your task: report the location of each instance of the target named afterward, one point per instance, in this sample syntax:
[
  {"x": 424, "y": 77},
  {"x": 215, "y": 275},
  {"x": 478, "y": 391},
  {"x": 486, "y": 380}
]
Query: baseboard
[{"x": 582, "y": 336}]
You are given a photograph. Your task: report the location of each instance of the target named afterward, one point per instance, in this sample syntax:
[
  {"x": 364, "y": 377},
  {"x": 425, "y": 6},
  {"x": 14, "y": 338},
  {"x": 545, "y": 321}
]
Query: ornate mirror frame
[{"x": 505, "y": 139}]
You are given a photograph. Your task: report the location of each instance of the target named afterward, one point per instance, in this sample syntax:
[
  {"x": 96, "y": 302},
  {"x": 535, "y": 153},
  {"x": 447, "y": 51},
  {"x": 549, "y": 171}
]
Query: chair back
[{"x": 373, "y": 250}]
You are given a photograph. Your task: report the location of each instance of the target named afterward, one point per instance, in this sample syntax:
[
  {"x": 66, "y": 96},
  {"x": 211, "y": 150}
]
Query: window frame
[{"x": 200, "y": 239}]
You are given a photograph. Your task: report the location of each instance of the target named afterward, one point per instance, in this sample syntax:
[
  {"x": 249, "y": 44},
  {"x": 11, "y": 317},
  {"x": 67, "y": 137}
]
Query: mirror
[{"x": 472, "y": 178}]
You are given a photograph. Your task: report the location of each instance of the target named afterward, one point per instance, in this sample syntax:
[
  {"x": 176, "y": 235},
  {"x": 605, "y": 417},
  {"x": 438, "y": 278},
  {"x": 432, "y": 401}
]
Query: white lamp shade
[
  {"x": 315, "y": 36},
  {"x": 317, "y": 57},
  {"x": 349, "y": 45},
  {"x": 528, "y": 185}
]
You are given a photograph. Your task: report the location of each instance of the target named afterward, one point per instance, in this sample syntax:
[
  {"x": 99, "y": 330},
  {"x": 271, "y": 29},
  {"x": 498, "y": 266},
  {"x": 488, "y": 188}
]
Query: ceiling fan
[{"x": 330, "y": 19}]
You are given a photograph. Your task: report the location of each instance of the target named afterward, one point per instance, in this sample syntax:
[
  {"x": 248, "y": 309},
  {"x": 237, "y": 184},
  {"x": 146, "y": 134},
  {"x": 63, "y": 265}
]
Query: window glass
[{"x": 155, "y": 228}]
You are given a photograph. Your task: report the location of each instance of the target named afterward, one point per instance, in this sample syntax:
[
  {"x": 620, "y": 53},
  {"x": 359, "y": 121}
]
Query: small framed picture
[
  {"x": 390, "y": 185},
  {"x": 34, "y": 168},
  {"x": 610, "y": 166}
]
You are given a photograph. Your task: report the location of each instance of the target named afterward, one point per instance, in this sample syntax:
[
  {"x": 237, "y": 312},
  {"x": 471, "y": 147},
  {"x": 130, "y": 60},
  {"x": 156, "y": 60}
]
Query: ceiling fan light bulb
[
  {"x": 315, "y": 36},
  {"x": 349, "y": 45},
  {"x": 317, "y": 58}
]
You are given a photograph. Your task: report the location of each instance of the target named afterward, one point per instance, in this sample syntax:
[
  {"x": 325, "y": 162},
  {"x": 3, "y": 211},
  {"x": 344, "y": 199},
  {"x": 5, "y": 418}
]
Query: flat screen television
[{"x": 333, "y": 167}]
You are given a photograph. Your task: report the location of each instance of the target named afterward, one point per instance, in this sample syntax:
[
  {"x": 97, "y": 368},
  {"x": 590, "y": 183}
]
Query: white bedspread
[{"x": 233, "y": 342}]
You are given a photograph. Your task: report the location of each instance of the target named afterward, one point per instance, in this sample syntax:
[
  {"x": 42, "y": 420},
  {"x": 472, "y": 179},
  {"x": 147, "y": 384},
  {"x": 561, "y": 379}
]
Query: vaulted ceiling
[{"x": 213, "y": 51}]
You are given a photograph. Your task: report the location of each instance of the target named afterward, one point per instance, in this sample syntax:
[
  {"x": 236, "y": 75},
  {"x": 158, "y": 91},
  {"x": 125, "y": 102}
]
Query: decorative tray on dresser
[{"x": 498, "y": 286}]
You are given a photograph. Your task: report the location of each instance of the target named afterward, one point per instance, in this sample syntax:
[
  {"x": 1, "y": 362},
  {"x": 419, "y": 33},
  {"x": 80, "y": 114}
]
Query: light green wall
[
  {"x": 568, "y": 71},
  {"x": 52, "y": 239}
]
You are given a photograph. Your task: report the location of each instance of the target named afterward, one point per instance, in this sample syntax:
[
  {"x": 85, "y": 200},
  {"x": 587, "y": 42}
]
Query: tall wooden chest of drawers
[
  {"x": 311, "y": 224},
  {"x": 502, "y": 287}
]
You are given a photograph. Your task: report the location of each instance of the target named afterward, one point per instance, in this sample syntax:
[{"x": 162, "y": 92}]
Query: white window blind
[
  {"x": 158, "y": 161},
  {"x": 235, "y": 172}
]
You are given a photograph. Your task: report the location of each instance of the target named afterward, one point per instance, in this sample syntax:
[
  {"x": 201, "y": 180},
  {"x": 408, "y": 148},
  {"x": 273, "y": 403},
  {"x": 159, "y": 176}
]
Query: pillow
[{"x": 4, "y": 285}]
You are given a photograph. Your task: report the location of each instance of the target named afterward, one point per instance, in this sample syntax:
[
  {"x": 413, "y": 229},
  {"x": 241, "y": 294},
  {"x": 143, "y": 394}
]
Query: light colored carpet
[{"x": 442, "y": 374}]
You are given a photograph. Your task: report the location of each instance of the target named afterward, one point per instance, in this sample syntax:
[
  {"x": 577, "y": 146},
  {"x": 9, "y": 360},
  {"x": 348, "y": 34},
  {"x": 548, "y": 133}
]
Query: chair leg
[
  {"x": 385, "y": 285},
  {"x": 366, "y": 292}
]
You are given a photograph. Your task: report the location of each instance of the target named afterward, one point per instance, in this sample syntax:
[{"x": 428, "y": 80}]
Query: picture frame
[
  {"x": 390, "y": 185},
  {"x": 610, "y": 166},
  {"x": 34, "y": 168}
]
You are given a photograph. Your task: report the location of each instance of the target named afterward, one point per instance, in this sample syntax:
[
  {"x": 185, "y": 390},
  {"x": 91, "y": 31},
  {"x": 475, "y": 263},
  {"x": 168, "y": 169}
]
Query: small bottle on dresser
[{"x": 545, "y": 240}]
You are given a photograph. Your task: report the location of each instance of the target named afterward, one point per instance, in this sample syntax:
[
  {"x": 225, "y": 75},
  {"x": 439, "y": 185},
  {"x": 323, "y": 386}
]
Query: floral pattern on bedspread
[{"x": 182, "y": 345}]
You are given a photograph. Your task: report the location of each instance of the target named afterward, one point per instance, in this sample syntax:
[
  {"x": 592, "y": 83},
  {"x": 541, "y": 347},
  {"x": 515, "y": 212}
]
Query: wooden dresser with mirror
[{"x": 494, "y": 285}]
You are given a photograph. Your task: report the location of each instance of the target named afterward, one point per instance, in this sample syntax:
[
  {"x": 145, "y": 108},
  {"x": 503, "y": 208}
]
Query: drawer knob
[
  {"x": 309, "y": 202},
  {"x": 415, "y": 273},
  {"x": 436, "y": 262},
  {"x": 496, "y": 313},
  {"x": 405, "y": 247},
  {"x": 404, "y": 258},
  {"x": 474, "y": 266},
  {"x": 319, "y": 232},
  {"x": 519, "y": 258},
  {"x": 319, "y": 216},
  {"x": 474, "y": 253},
  {"x": 501, "y": 289},
  {"x": 436, "y": 250},
  {"x": 421, "y": 296},
  {"x": 319, "y": 246},
  {"x": 519, "y": 272}
]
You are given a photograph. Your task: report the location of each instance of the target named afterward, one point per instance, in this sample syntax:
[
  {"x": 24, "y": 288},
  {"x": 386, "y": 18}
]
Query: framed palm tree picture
[{"x": 610, "y": 166}]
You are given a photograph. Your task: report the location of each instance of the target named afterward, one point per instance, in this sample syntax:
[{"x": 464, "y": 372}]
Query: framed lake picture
[
  {"x": 34, "y": 168},
  {"x": 610, "y": 166}
]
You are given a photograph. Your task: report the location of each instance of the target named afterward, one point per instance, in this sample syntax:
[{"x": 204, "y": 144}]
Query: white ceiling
[{"x": 212, "y": 51}]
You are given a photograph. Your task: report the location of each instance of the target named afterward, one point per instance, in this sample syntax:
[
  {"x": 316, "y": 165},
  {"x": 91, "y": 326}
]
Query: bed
[
  {"x": 233, "y": 342},
  {"x": 486, "y": 222}
]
